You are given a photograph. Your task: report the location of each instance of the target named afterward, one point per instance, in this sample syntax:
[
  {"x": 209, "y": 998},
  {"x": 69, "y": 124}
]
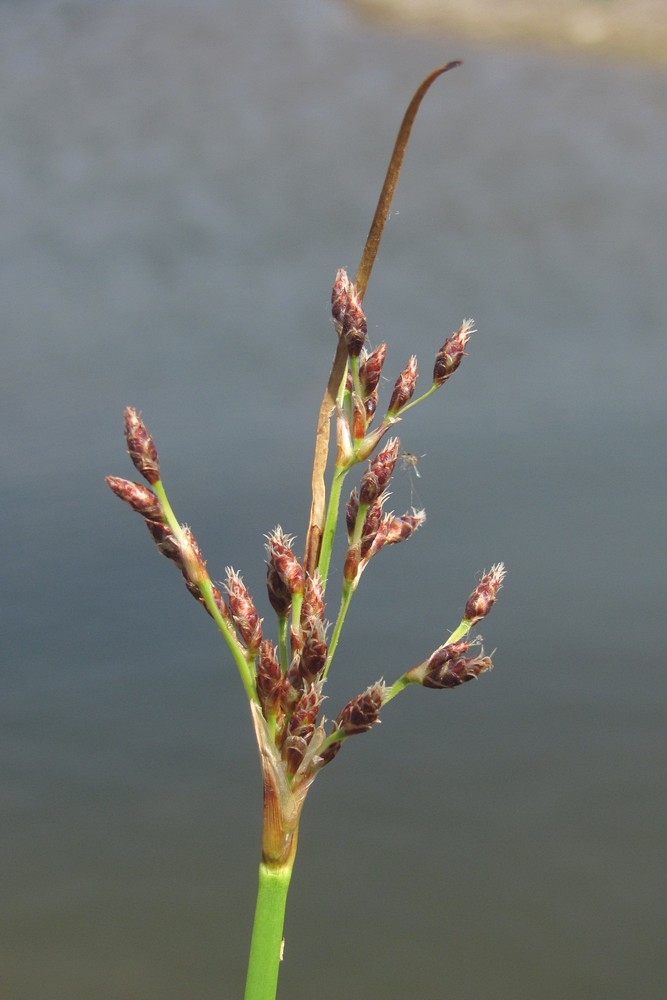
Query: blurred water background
[{"x": 178, "y": 184}]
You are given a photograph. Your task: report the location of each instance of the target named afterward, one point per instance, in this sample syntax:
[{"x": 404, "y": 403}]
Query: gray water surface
[{"x": 178, "y": 184}]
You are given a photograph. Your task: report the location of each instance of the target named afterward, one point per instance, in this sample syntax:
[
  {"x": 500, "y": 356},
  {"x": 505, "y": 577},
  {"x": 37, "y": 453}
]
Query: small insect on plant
[
  {"x": 284, "y": 676},
  {"x": 410, "y": 462}
]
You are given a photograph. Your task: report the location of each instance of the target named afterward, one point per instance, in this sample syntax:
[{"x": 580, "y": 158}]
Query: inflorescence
[{"x": 284, "y": 679}]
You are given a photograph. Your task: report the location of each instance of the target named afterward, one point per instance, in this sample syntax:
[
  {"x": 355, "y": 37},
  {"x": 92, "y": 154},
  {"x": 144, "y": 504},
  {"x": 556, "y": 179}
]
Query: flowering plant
[{"x": 284, "y": 681}]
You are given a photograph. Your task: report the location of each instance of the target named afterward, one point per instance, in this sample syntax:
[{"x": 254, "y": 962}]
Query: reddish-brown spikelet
[
  {"x": 484, "y": 595},
  {"x": 360, "y": 714},
  {"x": 141, "y": 447},
  {"x": 243, "y": 611},
  {"x": 392, "y": 530},
  {"x": 339, "y": 299},
  {"x": 193, "y": 563},
  {"x": 378, "y": 540},
  {"x": 139, "y": 497},
  {"x": 301, "y": 727},
  {"x": 448, "y": 670},
  {"x": 279, "y": 593},
  {"x": 372, "y": 523},
  {"x": 166, "y": 541},
  {"x": 399, "y": 529},
  {"x": 312, "y": 608},
  {"x": 451, "y": 353},
  {"x": 354, "y": 324},
  {"x": 270, "y": 680},
  {"x": 370, "y": 369},
  {"x": 375, "y": 479},
  {"x": 314, "y": 653},
  {"x": 351, "y": 511},
  {"x": 404, "y": 387},
  {"x": 371, "y": 405},
  {"x": 369, "y": 488},
  {"x": 285, "y": 576},
  {"x": 347, "y": 313}
]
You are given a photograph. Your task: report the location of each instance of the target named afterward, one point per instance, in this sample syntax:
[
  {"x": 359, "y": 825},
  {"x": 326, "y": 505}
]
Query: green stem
[
  {"x": 243, "y": 663},
  {"x": 165, "y": 507},
  {"x": 395, "y": 689},
  {"x": 297, "y": 601},
  {"x": 461, "y": 629},
  {"x": 267, "y": 932},
  {"x": 330, "y": 522},
  {"x": 348, "y": 590},
  {"x": 245, "y": 667},
  {"x": 419, "y": 399},
  {"x": 403, "y": 681}
]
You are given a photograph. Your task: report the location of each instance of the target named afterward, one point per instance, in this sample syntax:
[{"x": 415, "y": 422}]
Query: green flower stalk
[{"x": 284, "y": 679}]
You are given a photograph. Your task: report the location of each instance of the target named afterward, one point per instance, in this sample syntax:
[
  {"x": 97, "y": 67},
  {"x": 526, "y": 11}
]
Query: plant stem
[
  {"x": 244, "y": 665},
  {"x": 419, "y": 399},
  {"x": 395, "y": 689},
  {"x": 267, "y": 932},
  {"x": 348, "y": 590},
  {"x": 461, "y": 629},
  {"x": 330, "y": 523}
]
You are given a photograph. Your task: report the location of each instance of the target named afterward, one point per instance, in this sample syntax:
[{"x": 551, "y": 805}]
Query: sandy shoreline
[{"x": 635, "y": 30}]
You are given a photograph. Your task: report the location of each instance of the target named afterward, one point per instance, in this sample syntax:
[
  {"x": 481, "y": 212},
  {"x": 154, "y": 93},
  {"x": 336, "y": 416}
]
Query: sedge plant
[{"x": 284, "y": 677}]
